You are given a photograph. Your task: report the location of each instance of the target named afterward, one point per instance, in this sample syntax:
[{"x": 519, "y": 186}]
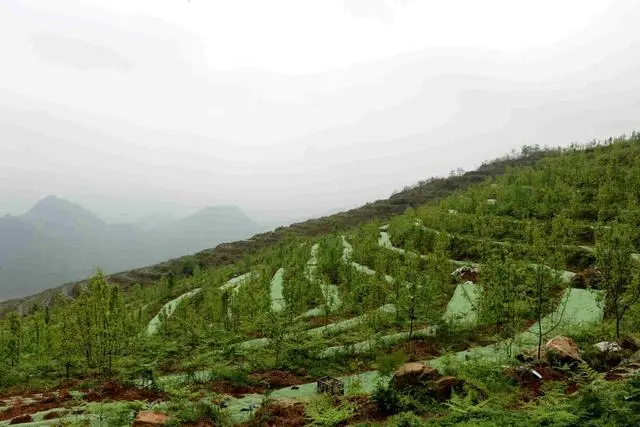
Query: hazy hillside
[
  {"x": 464, "y": 278},
  {"x": 213, "y": 224},
  {"x": 58, "y": 241},
  {"x": 224, "y": 254}
]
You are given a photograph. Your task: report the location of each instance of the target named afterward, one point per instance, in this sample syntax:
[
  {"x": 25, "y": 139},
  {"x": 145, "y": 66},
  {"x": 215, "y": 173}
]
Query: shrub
[
  {"x": 323, "y": 412},
  {"x": 406, "y": 419},
  {"x": 388, "y": 363},
  {"x": 201, "y": 411}
]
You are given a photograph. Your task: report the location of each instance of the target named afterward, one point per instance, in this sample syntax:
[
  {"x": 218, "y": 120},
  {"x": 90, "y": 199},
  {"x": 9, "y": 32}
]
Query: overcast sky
[{"x": 295, "y": 108}]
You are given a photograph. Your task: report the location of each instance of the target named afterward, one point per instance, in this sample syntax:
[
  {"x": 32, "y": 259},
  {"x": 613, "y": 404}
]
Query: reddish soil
[
  {"x": 261, "y": 381},
  {"x": 315, "y": 322},
  {"x": 609, "y": 376},
  {"x": 200, "y": 423},
  {"x": 571, "y": 388},
  {"x": 255, "y": 334},
  {"x": 418, "y": 350},
  {"x": 366, "y": 412},
  {"x": 113, "y": 390},
  {"x": 278, "y": 379},
  {"x": 533, "y": 389},
  {"x": 45, "y": 403},
  {"x": 550, "y": 374},
  {"x": 235, "y": 390},
  {"x": 22, "y": 419},
  {"x": 279, "y": 415}
]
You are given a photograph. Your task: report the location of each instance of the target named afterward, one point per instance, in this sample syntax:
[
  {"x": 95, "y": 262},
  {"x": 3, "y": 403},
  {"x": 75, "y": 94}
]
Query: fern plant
[{"x": 323, "y": 413}]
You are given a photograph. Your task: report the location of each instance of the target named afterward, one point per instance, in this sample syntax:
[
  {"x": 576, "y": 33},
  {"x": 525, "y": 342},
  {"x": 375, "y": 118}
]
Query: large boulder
[
  {"x": 608, "y": 347},
  {"x": 442, "y": 388},
  {"x": 562, "y": 350},
  {"x": 150, "y": 419},
  {"x": 604, "y": 355},
  {"x": 421, "y": 378},
  {"x": 414, "y": 374},
  {"x": 559, "y": 350}
]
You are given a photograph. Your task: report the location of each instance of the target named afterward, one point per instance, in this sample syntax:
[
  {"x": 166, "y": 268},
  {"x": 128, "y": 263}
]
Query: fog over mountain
[
  {"x": 145, "y": 112},
  {"x": 58, "y": 241}
]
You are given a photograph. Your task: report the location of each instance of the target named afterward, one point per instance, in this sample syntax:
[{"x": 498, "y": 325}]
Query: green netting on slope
[
  {"x": 238, "y": 281},
  {"x": 168, "y": 310},
  {"x": 347, "y": 255},
  {"x": 384, "y": 241},
  {"x": 350, "y": 323},
  {"x": 277, "y": 298},
  {"x": 579, "y": 308},
  {"x": 373, "y": 343},
  {"x": 461, "y": 309},
  {"x": 331, "y": 328},
  {"x": 330, "y": 293},
  {"x": 312, "y": 264},
  {"x": 170, "y": 307},
  {"x": 347, "y": 250}
]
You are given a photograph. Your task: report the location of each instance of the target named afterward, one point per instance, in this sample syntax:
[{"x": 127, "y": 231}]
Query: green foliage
[
  {"x": 201, "y": 411},
  {"x": 114, "y": 413},
  {"x": 387, "y": 400},
  {"x": 620, "y": 275},
  {"x": 405, "y": 419},
  {"x": 388, "y": 363},
  {"x": 537, "y": 213},
  {"x": 324, "y": 412}
]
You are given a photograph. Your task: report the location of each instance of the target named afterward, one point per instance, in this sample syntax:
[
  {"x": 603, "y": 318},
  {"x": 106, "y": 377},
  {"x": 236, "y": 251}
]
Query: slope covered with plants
[{"x": 474, "y": 281}]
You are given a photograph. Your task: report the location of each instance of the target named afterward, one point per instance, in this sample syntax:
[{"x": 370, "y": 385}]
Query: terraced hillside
[
  {"x": 468, "y": 283},
  {"x": 427, "y": 191}
]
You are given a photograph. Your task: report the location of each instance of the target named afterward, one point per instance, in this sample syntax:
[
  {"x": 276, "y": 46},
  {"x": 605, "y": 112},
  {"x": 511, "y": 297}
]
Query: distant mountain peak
[
  {"x": 54, "y": 210},
  {"x": 223, "y": 209}
]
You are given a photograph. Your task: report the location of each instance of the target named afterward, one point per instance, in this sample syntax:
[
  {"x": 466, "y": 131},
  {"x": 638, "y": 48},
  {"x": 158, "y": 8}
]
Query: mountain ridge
[
  {"x": 226, "y": 253},
  {"x": 57, "y": 241}
]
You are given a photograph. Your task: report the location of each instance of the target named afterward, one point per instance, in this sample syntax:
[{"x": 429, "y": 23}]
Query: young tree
[
  {"x": 14, "y": 342},
  {"x": 502, "y": 292},
  {"x": 100, "y": 310},
  {"x": 276, "y": 327},
  {"x": 613, "y": 255},
  {"x": 547, "y": 252},
  {"x": 67, "y": 348}
]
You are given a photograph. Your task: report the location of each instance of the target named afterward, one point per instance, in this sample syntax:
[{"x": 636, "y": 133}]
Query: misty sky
[{"x": 295, "y": 108}]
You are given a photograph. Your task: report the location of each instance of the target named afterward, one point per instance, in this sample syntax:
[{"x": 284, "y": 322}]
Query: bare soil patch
[
  {"x": 44, "y": 403},
  {"x": 22, "y": 419},
  {"x": 278, "y": 378},
  {"x": 417, "y": 350},
  {"x": 235, "y": 390},
  {"x": 315, "y": 322},
  {"x": 200, "y": 423},
  {"x": 279, "y": 414},
  {"x": 114, "y": 390},
  {"x": 366, "y": 411},
  {"x": 531, "y": 390}
]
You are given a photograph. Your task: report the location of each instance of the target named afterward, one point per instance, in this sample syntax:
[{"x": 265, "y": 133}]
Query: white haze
[{"x": 296, "y": 108}]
